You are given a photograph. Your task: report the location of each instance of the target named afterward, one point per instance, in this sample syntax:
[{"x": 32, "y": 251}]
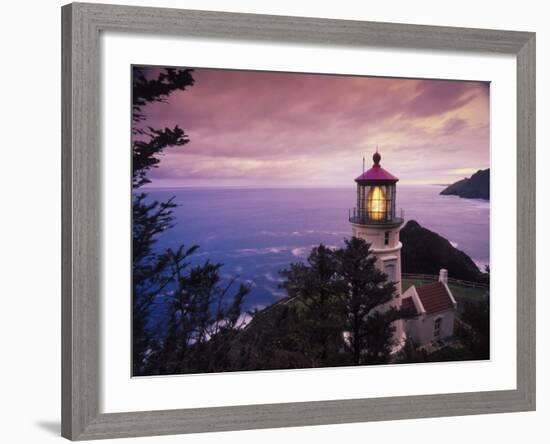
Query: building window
[
  {"x": 389, "y": 269},
  {"x": 437, "y": 327},
  {"x": 386, "y": 238}
]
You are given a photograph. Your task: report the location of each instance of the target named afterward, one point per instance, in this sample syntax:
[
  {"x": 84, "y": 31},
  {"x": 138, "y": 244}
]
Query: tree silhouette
[
  {"x": 150, "y": 273},
  {"x": 317, "y": 286},
  {"x": 368, "y": 319},
  {"x": 200, "y": 313},
  {"x": 343, "y": 294}
]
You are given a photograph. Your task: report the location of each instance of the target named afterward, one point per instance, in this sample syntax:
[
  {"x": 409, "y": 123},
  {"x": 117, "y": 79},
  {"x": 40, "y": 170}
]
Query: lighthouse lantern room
[{"x": 375, "y": 196}]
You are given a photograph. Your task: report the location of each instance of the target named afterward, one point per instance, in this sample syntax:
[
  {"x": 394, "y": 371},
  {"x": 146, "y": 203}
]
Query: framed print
[{"x": 279, "y": 221}]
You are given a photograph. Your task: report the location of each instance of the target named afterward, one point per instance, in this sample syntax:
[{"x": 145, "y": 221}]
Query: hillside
[
  {"x": 475, "y": 187},
  {"x": 426, "y": 252}
]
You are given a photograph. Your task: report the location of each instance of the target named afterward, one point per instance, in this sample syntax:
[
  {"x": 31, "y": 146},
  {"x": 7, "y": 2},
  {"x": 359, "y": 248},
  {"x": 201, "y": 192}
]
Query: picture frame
[{"x": 81, "y": 232}]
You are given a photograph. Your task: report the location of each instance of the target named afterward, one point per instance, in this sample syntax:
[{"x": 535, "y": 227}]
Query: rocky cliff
[
  {"x": 426, "y": 252},
  {"x": 475, "y": 187}
]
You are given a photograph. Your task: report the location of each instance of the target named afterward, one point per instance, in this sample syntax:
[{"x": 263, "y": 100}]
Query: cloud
[
  {"x": 434, "y": 97},
  {"x": 453, "y": 125},
  {"x": 248, "y": 127}
]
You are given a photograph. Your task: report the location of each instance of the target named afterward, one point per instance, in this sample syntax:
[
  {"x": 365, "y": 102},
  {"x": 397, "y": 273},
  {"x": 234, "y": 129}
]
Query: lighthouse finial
[{"x": 376, "y": 157}]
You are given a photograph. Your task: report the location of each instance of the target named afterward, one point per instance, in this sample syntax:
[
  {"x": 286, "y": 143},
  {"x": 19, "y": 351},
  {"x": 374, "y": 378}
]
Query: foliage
[
  {"x": 317, "y": 286},
  {"x": 151, "y": 274},
  {"x": 201, "y": 316},
  {"x": 337, "y": 313},
  {"x": 275, "y": 339},
  {"x": 474, "y": 329},
  {"x": 369, "y": 320},
  {"x": 148, "y": 143},
  {"x": 410, "y": 353}
]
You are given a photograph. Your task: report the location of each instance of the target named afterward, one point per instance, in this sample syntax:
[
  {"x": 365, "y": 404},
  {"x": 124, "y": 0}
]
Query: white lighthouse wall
[
  {"x": 387, "y": 255},
  {"x": 421, "y": 329},
  {"x": 375, "y": 235}
]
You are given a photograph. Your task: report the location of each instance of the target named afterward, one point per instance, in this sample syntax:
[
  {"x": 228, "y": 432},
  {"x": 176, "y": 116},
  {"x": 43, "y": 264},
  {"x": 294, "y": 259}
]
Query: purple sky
[{"x": 250, "y": 128}]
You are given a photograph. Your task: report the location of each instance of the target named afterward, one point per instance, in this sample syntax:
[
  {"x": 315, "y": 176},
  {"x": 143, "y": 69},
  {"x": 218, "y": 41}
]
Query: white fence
[{"x": 434, "y": 277}]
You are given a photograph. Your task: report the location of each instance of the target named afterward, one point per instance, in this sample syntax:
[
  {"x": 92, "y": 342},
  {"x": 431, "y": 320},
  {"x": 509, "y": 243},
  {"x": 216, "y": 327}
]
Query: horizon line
[{"x": 254, "y": 187}]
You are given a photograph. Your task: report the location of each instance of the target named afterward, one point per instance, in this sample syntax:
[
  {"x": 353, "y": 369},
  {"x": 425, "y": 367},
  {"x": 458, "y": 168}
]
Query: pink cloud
[{"x": 307, "y": 129}]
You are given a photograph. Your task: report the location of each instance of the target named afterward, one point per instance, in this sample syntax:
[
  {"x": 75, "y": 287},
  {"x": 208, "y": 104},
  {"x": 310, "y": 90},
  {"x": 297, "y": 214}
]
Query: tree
[
  {"x": 341, "y": 293},
  {"x": 274, "y": 339},
  {"x": 368, "y": 319},
  {"x": 198, "y": 316},
  {"x": 150, "y": 272},
  {"x": 201, "y": 323},
  {"x": 148, "y": 143},
  {"x": 411, "y": 354},
  {"x": 151, "y": 275},
  {"x": 316, "y": 287},
  {"x": 476, "y": 334}
]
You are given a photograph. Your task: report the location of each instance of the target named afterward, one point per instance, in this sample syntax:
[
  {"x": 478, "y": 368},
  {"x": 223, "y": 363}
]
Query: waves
[
  {"x": 301, "y": 252},
  {"x": 257, "y": 234},
  {"x": 316, "y": 233},
  {"x": 271, "y": 278}
]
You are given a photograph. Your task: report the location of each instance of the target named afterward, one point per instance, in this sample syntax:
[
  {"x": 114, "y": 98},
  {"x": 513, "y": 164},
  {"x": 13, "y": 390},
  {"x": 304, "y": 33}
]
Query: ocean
[{"x": 255, "y": 233}]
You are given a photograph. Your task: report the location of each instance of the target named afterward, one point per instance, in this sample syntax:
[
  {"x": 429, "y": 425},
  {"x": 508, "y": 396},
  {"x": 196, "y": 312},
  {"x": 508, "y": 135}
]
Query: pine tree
[
  {"x": 316, "y": 286},
  {"x": 368, "y": 319},
  {"x": 151, "y": 275},
  {"x": 336, "y": 294},
  {"x": 201, "y": 316}
]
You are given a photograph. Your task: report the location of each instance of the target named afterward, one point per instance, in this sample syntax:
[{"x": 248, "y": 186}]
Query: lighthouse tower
[{"x": 374, "y": 219}]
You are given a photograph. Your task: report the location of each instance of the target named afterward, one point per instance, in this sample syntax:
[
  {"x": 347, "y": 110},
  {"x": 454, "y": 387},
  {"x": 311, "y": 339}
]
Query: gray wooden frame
[{"x": 81, "y": 27}]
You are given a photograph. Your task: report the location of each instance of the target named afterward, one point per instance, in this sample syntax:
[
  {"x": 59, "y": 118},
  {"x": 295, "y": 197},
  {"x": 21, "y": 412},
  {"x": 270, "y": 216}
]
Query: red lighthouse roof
[{"x": 376, "y": 173}]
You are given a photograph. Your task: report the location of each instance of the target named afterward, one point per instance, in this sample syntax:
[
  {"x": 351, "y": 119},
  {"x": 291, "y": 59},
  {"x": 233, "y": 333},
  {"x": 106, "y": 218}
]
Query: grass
[{"x": 460, "y": 293}]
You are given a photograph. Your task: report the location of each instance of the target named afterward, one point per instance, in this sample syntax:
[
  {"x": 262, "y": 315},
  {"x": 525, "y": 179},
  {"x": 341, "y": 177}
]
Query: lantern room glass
[{"x": 376, "y": 203}]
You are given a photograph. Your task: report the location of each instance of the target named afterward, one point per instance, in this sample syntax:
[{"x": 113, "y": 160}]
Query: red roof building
[
  {"x": 433, "y": 307},
  {"x": 434, "y": 297}
]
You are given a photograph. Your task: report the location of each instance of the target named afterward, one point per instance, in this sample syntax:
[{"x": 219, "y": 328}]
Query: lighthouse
[{"x": 374, "y": 220}]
